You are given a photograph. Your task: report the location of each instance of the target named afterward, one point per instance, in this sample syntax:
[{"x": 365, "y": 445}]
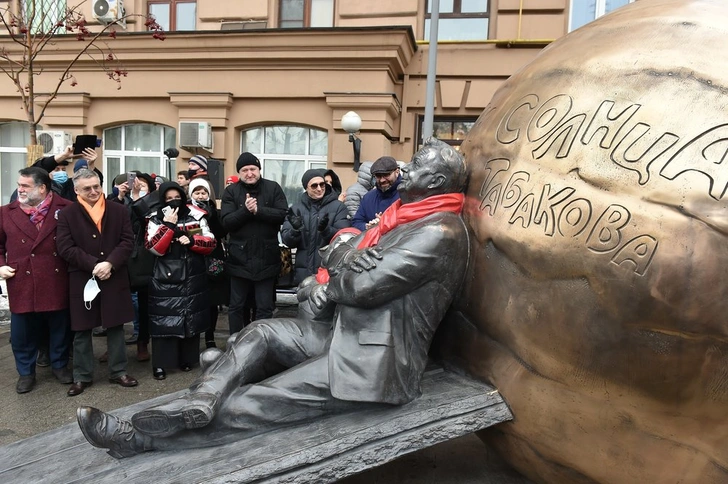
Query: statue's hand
[
  {"x": 318, "y": 295},
  {"x": 365, "y": 260}
]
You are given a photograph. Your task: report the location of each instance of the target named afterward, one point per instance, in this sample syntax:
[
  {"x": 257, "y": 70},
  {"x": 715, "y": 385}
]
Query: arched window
[
  {"x": 14, "y": 137},
  {"x": 285, "y": 152},
  {"x": 137, "y": 147}
]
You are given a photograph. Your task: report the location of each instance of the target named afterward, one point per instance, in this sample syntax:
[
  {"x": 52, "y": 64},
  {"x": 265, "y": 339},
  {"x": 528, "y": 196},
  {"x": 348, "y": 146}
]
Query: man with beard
[
  {"x": 252, "y": 212},
  {"x": 384, "y": 194},
  {"x": 37, "y": 279}
]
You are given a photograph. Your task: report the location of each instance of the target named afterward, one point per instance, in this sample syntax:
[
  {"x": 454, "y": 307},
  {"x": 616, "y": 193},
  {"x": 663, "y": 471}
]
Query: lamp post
[{"x": 351, "y": 122}]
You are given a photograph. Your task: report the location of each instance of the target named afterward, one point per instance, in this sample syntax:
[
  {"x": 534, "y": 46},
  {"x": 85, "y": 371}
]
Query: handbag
[
  {"x": 286, "y": 261},
  {"x": 214, "y": 265},
  {"x": 169, "y": 270},
  {"x": 140, "y": 266}
]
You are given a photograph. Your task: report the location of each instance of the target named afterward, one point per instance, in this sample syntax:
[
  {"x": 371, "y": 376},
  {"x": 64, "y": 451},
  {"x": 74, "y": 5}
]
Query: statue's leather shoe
[
  {"x": 78, "y": 387},
  {"x": 110, "y": 432},
  {"x": 190, "y": 411},
  {"x": 25, "y": 383},
  {"x": 125, "y": 381}
]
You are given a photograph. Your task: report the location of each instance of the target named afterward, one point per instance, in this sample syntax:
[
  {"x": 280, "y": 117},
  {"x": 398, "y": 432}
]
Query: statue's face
[
  {"x": 598, "y": 208},
  {"x": 419, "y": 175}
]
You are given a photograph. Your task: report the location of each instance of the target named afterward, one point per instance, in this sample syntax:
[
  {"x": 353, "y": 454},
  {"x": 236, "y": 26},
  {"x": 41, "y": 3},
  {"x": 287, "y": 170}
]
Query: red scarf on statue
[{"x": 398, "y": 214}]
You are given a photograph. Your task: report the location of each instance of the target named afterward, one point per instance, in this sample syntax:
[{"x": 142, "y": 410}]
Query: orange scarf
[
  {"x": 398, "y": 214},
  {"x": 96, "y": 212}
]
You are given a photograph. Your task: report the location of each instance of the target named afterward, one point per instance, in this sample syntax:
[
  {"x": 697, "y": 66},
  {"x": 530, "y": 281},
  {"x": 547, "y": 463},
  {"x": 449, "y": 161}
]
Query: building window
[
  {"x": 285, "y": 152},
  {"x": 43, "y": 15},
  {"x": 306, "y": 13},
  {"x": 14, "y": 137},
  {"x": 450, "y": 130},
  {"x": 584, "y": 11},
  {"x": 174, "y": 14},
  {"x": 460, "y": 20},
  {"x": 137, "y": 147}
]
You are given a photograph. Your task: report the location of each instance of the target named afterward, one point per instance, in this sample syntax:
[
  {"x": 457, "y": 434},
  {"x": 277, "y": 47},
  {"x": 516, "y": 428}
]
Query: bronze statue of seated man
[{"x": 364, "y": 341}]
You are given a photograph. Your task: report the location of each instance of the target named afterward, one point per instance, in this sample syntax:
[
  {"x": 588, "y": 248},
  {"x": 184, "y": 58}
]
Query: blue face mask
[{"x": 60, "y": 177}]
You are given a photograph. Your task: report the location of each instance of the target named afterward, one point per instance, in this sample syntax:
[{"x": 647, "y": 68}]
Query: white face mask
[{"x": 90, "y": 291}]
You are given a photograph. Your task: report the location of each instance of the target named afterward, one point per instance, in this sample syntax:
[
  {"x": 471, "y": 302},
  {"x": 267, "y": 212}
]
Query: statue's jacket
[{"x": 386, "y": 317}]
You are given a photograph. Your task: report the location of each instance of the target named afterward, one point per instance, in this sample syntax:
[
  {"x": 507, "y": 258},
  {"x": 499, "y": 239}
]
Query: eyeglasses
[
  {"x": 314, "y": 186},
  {"x": 94, "y": 188}
]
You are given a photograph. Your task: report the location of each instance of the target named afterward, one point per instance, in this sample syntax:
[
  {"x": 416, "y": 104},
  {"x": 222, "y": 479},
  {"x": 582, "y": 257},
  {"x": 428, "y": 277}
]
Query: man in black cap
[
  {"x": 379, "y": 198},
  {"x": 253, "y": 210}
]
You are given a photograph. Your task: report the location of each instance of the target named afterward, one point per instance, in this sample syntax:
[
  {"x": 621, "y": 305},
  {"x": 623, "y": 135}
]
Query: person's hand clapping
[
  {"x": 323, "y": 223},
  {"x": 251, "y": 204},
  {"x": 295, "y": 220}
]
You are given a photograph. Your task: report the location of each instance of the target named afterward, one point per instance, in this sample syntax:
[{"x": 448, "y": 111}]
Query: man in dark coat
[
  {"x": 387, "y": 174},
  {"x": 391, "y": 286},
  {"x": 96, "y": 239},
  {"x": 312, "y": 222},
  {"x": 37, "y": 279},
  {"x": 252, "y": 212}
]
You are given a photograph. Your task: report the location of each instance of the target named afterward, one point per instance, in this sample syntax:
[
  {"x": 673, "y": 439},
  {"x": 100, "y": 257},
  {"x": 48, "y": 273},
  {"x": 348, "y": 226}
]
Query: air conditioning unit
[
  {"x": 107, "y": 11},
  {"x": 54, "y": 142},
  {"x": 195, "y": 134}
]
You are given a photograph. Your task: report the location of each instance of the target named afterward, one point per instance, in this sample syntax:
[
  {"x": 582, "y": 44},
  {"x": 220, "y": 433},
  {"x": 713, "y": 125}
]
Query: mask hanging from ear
[{"x": 90, "y": 291}]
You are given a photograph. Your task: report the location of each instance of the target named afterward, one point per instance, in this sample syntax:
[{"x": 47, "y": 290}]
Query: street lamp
[{"x": 351, "y": 122}]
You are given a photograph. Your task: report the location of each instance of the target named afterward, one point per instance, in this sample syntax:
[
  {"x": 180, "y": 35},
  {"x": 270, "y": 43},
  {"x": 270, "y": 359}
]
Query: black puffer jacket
[
  {"x": 309, "y": 239},
  {"x": 180, "y": 309},
  {"x": 253, "y": 252}
]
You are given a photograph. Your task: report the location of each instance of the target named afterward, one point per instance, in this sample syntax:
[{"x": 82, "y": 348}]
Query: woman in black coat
[
  {"x": 312, "y": 222},
  {"x": 179, "y": 236}
]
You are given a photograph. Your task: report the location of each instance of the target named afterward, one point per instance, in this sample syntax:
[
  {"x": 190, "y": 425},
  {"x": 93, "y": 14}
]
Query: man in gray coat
[{"x": 391, "y": 287}]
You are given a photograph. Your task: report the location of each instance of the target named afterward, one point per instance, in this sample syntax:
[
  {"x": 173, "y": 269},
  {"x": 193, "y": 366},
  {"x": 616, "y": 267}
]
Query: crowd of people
[{"x": 159, "y": 254}]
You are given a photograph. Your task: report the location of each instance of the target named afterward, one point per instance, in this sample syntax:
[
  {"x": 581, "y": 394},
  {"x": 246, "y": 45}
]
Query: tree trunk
[{"x": 34, "y": 152}]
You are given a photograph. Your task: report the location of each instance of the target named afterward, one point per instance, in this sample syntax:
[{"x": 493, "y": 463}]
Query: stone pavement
[{"x": 464, "y": 460}]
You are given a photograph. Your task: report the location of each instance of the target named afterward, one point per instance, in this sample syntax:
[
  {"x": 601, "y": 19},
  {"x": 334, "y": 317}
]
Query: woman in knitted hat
[
  {"x": 203, "y": 197},
  {"x": 312, "y": 222}
]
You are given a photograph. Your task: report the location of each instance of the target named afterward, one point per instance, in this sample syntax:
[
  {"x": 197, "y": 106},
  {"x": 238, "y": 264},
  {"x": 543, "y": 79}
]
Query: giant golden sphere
[{"x": 597, "y": 295}]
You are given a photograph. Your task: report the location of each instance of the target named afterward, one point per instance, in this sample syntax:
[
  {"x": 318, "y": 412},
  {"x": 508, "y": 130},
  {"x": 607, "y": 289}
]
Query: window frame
[
  {"x": 48, "y": 16},
  {"x": 172, "y": 12},
  {"x": 307, "y": 7},
  {"x": 456, "y": 14},
  {"x": 455, "y": 143},
  {"x": 600, "y": 9},
  {"x": 164, "y": 167},
  {"x": 10, "y": 167}
]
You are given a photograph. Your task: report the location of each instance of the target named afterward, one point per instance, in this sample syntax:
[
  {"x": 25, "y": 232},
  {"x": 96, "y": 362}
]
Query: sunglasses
[{"x": 314, "y": 186}]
